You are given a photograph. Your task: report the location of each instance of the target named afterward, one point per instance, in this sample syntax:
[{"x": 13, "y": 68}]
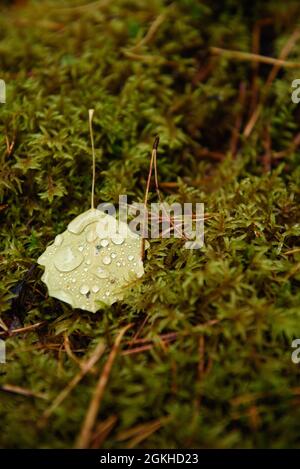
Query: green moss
[{"x": 226, "y": 379}]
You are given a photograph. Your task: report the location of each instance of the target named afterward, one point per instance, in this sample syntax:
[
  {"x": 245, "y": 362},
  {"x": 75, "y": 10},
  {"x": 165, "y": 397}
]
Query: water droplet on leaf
[
  {"x": 67, "y": 259},
  {"x": 118, "y": 239},
  {"x": 101, "y": 273},
  {"x": 106, "y": 260},
  {"x": 58, "y": 240},
  {"x": 84, "y": 289}
]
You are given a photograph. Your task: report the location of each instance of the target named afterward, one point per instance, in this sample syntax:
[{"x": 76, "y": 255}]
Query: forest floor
[{"x": 206, "y": 361}]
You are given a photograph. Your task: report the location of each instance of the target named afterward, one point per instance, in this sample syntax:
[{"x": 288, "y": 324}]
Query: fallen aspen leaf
[
  {"x": 91, "y": 262},
  {"x": 94, "y": 259}
]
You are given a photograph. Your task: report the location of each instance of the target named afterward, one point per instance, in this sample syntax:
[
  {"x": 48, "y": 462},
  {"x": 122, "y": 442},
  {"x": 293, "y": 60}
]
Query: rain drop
[
  {"x": 104, "y": 243},
  {"x": 106, "y": 260},
  {"x": 95, "y": 288},
  {"x": 91, "y": 235},
  {"x": 66, "y": 259},
  {"x": 101, "y": 273},
  {"x": 84, "y": 289},
  {"x": 130, "y": 258},
  {"x": 58, "y": 240},
  {"x": 118, "y": 239}
]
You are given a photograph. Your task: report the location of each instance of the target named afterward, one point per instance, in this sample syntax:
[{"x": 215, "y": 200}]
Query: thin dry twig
[
  {"x": 292, "y": 251},
  {"x": 147, "y": 343},
  {"x": 250, "y": 57},
  {"x": 3, "y": 325},
  {"x": 201, "y": 370},
  {"x": 10, "y": 145},
  {"x": 69, "y": 351},
  {"x": 145, "y": 340},
  {"x": 139, "y": 433},
  {"x": 154, "y": 149},
  {"x": 155, "y": 25},
  {"x": 85, "y": 368},
  {"x": 292, "y": 272},
  {"x": 102, "y": 431},
  {"x": 291, "y": 148},
  {"x": 135, "y": 337},
  {"x": 23, "y": 391},
  {"x": 238, "y": 122},
  {"x": 272, "y": 75},
  {"x": 153, "y": 163},
  {"x": 85, "y": 435},
  {"x": 21, "y": 330},
  {"x": 201, "y": 364},
  {"x": 267, "y": 157},
  {"x": 135, "y": 350},
  {"x": 256, "y": 35}
]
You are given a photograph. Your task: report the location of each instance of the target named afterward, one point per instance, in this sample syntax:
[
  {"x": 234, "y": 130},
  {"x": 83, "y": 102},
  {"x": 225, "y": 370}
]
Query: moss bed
[{"x": 207, "y": 361}]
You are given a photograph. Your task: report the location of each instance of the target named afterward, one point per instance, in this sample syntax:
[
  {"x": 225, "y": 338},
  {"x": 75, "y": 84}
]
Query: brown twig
[
  {"x": 204, "y": 71},
  {"x": 135, "y": 337},
  {"x": 292, "y": 272},
  {"x": 201, "y": 366},
  {"x": 249, "y": 57},
  {"x": 85, "y": 368},
  {"x": 135, "y": 350},
  {"x": 201, "y": 363},
  {"x": 69, "y": 351},
  {"x": 256, "y": 35},
  {"x": 155, "y": 25},
  {"x": 23, "y": 391},
  {"x": 85, "y": 435},
  {"x": 139, "y": 433},
  {"x": 21, "y": 330},
  {"x": 267, "y": 157},
  {"x": 147, "y": 344},
  {"x": 272, "y": 75},
  {"x": 292, "y": 251},
  {"x": 10, "y": 145},
  {"x": 4, "y": 326},
  {"x": 238, "y": 122},
  {"x": 291, "y": 148},
  {"x": 102, "y": 431},
  {"x": 154, "y": 149},
  {"x": 145, "y": 340},
  {"x": 160, "y": 200}
]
